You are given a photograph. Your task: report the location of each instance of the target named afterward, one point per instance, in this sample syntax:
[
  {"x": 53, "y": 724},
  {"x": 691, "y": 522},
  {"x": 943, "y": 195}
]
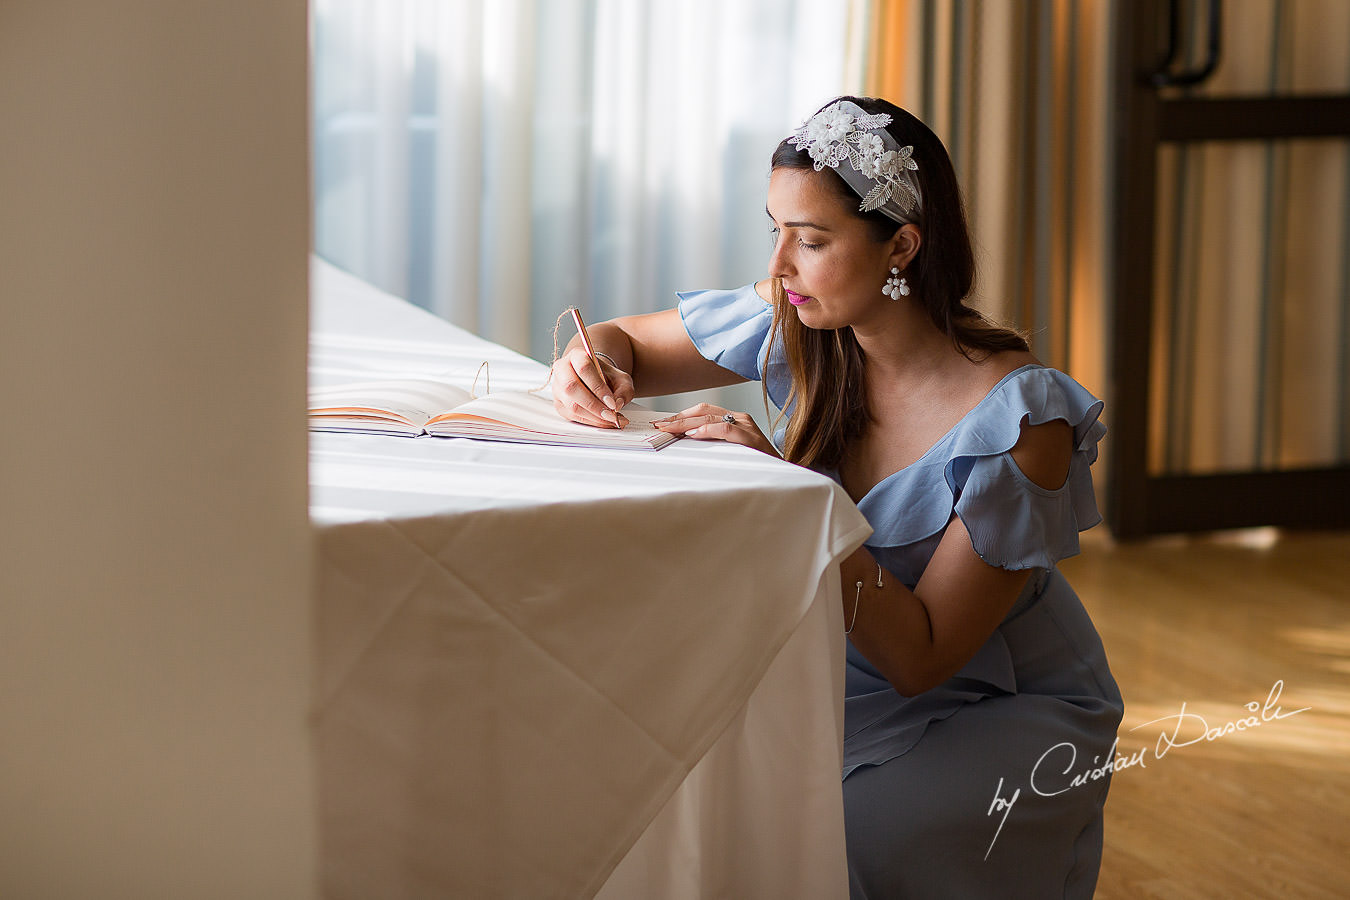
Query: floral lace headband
[{"x": 878, "y": 167}]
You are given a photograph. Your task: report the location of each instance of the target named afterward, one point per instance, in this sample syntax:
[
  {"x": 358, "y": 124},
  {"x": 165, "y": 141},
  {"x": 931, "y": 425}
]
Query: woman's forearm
[
  {"x": 610, "y": 339},
  {"x": 919, "y": 638},
  {"x": 889, "y": 624},
  {"x": 657, "y": 352}
]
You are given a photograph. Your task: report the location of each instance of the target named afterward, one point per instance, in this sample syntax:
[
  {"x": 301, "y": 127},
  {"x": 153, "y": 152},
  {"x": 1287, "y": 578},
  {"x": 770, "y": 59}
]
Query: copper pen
[{"x": 590, "y": 351}]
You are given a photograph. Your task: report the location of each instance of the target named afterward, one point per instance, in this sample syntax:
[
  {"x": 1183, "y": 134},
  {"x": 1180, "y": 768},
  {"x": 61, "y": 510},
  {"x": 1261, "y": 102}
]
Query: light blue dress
[{"x": 992, "y": 784}]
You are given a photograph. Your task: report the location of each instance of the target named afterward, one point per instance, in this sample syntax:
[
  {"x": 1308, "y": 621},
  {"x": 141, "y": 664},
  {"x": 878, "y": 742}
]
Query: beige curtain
[{"x": 1018, "y": 92}]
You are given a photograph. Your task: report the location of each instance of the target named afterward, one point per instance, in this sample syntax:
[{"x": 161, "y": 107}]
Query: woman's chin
[{"x": 812, "y": 316}]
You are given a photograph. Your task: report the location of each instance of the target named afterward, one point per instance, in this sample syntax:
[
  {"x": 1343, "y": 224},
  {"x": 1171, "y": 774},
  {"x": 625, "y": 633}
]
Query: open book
[{"x": 415, "y": 406}]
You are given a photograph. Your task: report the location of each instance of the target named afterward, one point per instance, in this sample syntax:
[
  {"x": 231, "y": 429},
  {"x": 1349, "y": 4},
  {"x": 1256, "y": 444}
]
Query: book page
[
  {"x": 534, "y": 413},
  {"x": 412, "y": 400}
]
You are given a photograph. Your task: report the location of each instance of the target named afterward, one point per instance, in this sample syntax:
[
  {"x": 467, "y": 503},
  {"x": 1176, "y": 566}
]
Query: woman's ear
[{"x": 905, "y": 246}]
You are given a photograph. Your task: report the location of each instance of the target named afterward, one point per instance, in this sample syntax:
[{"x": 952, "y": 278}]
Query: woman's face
[{"x": 831, "y": 268}]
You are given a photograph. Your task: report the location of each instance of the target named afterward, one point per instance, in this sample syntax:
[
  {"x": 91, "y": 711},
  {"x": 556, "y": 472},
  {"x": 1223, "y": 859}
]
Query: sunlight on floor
[{"x": 1226, "y": 796}]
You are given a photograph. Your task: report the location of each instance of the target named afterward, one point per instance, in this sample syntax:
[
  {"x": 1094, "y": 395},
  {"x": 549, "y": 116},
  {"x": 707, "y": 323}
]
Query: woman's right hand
[{"x": 579, "y": 392}]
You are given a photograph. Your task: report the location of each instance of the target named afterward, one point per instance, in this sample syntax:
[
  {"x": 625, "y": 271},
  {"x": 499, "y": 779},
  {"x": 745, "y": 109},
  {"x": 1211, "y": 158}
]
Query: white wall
[{"x": 154, "y": 544}]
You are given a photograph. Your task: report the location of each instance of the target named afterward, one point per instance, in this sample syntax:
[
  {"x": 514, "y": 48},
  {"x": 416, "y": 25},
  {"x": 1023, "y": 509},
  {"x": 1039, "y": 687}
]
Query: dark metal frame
[{"x": 1138, "y": 503}]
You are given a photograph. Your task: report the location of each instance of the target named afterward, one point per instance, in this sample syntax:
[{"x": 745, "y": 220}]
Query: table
[{"x": 557, "y": 672}]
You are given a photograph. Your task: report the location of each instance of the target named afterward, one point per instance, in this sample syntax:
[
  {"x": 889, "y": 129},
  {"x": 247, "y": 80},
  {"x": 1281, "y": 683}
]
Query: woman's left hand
[{"x": 706, "y": 422}]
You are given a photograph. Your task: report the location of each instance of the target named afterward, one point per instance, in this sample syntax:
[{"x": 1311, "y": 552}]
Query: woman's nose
[{"x": 779, "y": 265}]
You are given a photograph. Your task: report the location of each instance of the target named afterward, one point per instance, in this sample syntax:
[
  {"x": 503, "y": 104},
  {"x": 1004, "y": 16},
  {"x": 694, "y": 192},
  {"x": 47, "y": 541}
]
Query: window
[{"x": 497, "y": 161}]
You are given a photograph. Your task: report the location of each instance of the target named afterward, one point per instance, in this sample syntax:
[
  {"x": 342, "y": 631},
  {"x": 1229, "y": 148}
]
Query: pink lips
[{"x": 796, "y": 299}]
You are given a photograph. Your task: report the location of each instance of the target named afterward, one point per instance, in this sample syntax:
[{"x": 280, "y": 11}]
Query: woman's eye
[{"x": 775, "y": 232}]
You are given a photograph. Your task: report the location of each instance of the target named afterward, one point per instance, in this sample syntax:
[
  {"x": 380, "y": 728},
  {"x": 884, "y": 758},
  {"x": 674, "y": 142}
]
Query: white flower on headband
[
  {"x": 834, "y": 135},
  {"x": 887, "y": 170},
  {"x": 871, "y": 146}
]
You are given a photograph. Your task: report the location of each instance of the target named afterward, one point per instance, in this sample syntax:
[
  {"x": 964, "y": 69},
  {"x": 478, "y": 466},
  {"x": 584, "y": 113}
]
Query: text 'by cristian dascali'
[{"x": 1058, "y": 770}]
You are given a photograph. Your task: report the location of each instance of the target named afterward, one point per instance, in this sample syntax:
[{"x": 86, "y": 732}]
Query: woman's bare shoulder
[{"x": 997, "y": 366}]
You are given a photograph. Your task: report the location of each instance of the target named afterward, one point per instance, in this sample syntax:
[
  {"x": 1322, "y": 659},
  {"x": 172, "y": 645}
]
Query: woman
[{"x": 980, "y": 711}]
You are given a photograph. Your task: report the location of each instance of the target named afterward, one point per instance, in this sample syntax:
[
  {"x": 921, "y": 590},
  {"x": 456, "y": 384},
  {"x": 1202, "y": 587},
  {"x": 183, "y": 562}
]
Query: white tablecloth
[{"x": 549, "y": 672}]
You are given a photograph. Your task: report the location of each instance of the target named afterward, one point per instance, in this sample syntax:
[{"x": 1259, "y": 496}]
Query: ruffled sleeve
[
  {"x": 732, "y": 329},
  {"x": 1013, "y": 522}
]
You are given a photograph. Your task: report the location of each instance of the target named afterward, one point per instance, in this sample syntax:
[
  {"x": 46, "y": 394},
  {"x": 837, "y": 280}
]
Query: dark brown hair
[{"x": 828, "y": 389}]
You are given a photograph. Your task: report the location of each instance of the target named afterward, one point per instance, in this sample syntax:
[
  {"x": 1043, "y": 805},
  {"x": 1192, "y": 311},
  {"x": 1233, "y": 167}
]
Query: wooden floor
[{"x": 1245, "y": 801}]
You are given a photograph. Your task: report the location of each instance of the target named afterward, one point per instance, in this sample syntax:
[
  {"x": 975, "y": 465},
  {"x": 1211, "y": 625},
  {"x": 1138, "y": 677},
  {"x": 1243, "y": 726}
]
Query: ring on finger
[{"x": 729, "y": 419}]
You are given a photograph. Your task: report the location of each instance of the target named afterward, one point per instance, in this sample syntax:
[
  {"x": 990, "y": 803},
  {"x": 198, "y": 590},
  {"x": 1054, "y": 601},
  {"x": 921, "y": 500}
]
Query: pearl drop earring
[{"x": 895, "y": 287}]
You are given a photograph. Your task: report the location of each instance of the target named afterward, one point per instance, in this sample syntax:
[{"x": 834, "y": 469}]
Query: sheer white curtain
[{"x": 497, "y": 161}]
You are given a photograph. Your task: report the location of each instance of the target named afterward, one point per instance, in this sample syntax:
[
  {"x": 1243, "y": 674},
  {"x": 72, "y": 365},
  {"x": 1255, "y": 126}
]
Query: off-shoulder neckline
[{"x": 1002, "y": 382}]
